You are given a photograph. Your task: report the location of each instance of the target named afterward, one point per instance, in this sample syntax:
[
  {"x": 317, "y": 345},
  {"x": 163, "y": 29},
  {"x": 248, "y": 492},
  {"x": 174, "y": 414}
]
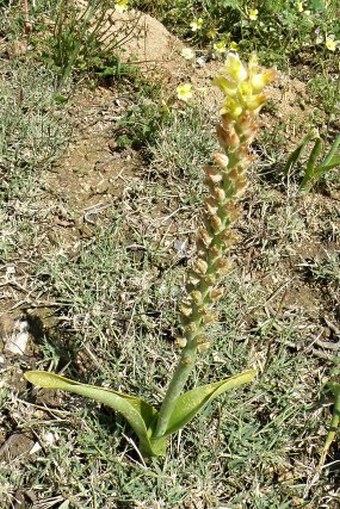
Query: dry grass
[{"x": 100, "y": 292}]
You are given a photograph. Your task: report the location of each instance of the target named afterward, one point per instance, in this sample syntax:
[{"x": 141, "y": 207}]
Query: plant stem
[
  {"x": 226, "y": 181},
  {"x": 178, "y": 381}
]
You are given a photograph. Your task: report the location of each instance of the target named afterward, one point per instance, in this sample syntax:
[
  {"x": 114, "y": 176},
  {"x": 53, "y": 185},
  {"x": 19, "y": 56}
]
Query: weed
[
  {"x": 314, "y": 168},
  {"x": 141, "y": 123},
  {"x": 325, "y": 87},
  {"x": 74, "y": 37},
  {"x": 33, "y": 127},
  {"x": 175, "y": 142},
  {"x": 278, "y": 31}
]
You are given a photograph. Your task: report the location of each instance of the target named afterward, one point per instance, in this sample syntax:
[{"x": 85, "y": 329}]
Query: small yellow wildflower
[
  {"x": 233, "y": 46},
  {"x": 122, "y": 5},
  {"x": 220, "y": 47},
  {"x": 196, "y": 24},
  {"x": 299, "y": 6},
  {"x": 253, "y": 14},
  {"x": 188, "y": 53},
  {"x": 184, "y": 92},
  {"x": 331, "y": 43}
]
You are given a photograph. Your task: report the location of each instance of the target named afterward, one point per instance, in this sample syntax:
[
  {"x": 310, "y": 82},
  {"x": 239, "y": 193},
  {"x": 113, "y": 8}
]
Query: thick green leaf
[
  {"x": 137, "y": 412},
  {"x": 192, "y": 402}
]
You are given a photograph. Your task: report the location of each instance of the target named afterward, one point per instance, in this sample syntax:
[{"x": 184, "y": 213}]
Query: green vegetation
[
  {"x": 277, "y": 30},
  {"x": 101, "y": 181},
  {"x": 314, "y": 168},
  {"x": 33, "y": 132}
]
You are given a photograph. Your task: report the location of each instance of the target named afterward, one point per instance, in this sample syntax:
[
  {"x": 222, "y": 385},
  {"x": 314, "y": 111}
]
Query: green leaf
[
  {"x": 234, "y": 4},
  {"x": 60, "y": 99},
  {"x": 139, "y": 414},
  {"x": 311, "y": 168},
  {"x": 296, "y": 154},
  {"x": 192, "y": 402},
  {"x": 311, "y": 163},
  {"x": 335, "y": 161},
  {"x": 332, "y": 151},
  {"x": 317, "y": 5}
]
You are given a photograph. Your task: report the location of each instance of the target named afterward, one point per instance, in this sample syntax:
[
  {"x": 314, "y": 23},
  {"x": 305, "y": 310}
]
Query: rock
[
  {"x": 18, "y": 444},
  {"x": 16, "y": 343}
]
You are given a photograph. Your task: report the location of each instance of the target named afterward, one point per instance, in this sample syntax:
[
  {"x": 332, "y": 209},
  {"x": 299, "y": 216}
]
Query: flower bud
[
  {"x": 211, "y": 206},
  {"x": 205, "y": 237},
  {"x": 234, "y": 68},
  {"x": 231, "y": 107},
  {"x": 228, "y": 238},
  {"x": 260, "y": 80},
  {"x": 227, "y": 136},
  {"x": 221, "y": 160},
  {"x": 181, "y": 342},
  {"x": 209, "y": 318},
  {"x": 254, "y": 102},
  {"x": 200, "y": 340},
  {"x": 203, "y": 347},
  {"x": 214, "y": 251},
  {"x": 216, "y": 223},
  {"x": 232, "y": 212},
  {"x": 213, "y": 174},
  {"x": 193, "y": 279},
  {"x": 217, "y": 293},
  {"x": 210, "y": 280},
  {"x": 186, "y": 311},
  {"x": 223, "y": 265},
  {"x": 191, "y": 328},
  {"x": 227, "y": 87},
  {"x": 197, "y": 297},
  {"x": 201, "y": 266},
  {"x": 218, "y": 193}
]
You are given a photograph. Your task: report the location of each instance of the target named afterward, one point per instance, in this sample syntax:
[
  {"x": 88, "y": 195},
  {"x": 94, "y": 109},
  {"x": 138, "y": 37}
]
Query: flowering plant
[{"x": 226, "y": 181}]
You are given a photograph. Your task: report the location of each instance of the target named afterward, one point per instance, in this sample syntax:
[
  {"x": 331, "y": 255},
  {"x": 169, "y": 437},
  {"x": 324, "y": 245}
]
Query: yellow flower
[
  {"x": 196, "y": 24},
  {"x": 220, "y": 47},
  {"x": 242, "y": 85},
  {"x": 188, "y": 53},
  {"x": 253, "y": 14},
  {"x": 122, "y": 5},
  {"x": 234, "y": 67},
  {"x": 184, "y": 92},
  {"x": 233, "y": 46},
  {"x": 331, "y": 43},
  {"x": 299, "y": 6}
]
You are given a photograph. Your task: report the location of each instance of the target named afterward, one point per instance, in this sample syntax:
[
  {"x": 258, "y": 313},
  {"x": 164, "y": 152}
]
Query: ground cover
[{"x": 101, "y": 186}]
